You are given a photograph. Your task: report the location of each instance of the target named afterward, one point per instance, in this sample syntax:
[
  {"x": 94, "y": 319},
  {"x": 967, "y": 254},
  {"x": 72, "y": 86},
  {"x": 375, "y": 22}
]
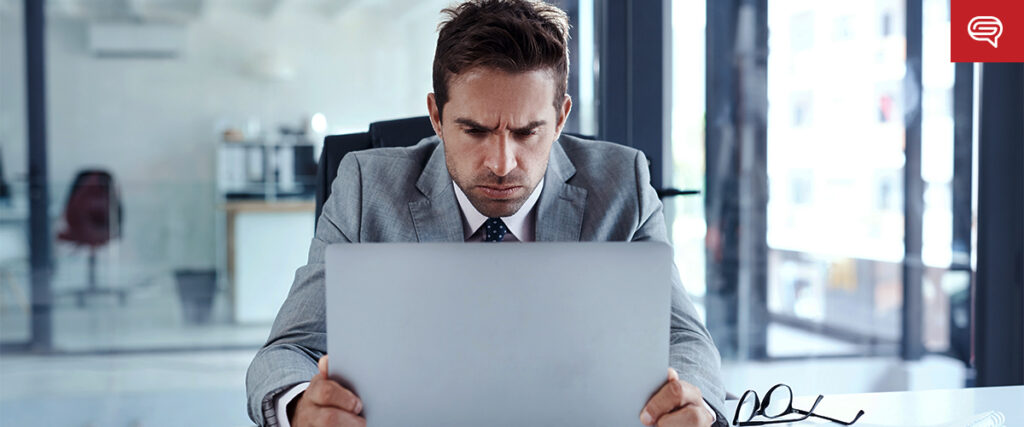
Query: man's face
[{"x": 498, "y": 129}]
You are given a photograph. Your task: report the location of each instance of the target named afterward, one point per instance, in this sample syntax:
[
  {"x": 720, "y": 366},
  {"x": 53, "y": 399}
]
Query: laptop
[{"x": 512, "y": 334}]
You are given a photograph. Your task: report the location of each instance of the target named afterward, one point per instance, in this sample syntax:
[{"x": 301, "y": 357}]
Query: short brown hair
[{"x": 514, "y": 36}]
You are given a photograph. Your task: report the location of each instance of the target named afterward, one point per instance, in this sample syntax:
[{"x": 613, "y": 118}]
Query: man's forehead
[
  {"x": 487, "y": 73},
  {"x": 491, "y": 98},
  {"x": 538, "y": 83}
]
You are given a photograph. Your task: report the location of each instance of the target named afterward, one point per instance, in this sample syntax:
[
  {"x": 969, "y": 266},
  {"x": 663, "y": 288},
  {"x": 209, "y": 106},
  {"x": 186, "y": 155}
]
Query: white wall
[{"x": 153, "y": 122}]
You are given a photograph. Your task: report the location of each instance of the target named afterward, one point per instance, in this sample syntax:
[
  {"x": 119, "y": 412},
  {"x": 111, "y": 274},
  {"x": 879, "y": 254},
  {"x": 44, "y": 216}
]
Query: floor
[
  {"x": 152, "y": 318},
  {"x": 169, "y": 389}
]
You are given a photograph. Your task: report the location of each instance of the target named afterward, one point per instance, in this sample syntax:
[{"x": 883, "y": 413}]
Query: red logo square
[{"x": 986, "y": 30}]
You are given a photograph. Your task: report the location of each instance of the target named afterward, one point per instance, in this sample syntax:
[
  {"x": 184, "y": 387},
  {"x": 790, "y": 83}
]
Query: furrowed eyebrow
[
  {"x": 530, "y": 127},
  {"x": 471, "y": 124},
  {"x": 474, "y": 125}
]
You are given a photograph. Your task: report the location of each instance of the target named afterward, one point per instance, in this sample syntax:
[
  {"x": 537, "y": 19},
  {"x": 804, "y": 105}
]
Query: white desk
[
  {"x": 917, "y": 408},
  {"x": 266, "y": 243}
]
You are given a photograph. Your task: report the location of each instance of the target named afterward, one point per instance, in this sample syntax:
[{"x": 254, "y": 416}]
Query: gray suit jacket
[{"x": 593, "y": 191}]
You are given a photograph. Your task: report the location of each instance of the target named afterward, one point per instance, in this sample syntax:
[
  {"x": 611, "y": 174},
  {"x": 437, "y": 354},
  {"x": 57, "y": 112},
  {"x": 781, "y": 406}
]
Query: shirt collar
[{"x": 517, "y": 223}]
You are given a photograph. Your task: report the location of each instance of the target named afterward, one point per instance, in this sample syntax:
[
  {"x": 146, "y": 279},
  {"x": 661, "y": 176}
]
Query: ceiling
[{"x": 183, "y": 11}]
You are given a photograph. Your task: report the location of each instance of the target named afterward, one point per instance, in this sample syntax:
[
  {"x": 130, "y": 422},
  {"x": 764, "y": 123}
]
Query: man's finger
[
  {"x": 674, "y": 394},
  {"x": 325, "y": 392},
  {"x": 322, "y": 364},
  {"x": 688, "y": 416},
  {"x": 672, "y": 374}
]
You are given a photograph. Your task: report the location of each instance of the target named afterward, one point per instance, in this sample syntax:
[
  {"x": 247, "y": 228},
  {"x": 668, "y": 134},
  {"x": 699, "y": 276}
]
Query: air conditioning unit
[{"x": 137, "y": 40}]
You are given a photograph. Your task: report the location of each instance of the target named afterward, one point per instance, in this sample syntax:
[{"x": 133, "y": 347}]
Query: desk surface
[
  {"x": 916, "y": 408},
  {"x": 282, "y": 205}
]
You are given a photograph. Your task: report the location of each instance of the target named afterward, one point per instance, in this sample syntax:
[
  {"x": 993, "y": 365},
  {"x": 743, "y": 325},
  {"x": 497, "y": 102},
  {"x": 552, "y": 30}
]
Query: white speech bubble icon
[{"x": 985, "y": 28}]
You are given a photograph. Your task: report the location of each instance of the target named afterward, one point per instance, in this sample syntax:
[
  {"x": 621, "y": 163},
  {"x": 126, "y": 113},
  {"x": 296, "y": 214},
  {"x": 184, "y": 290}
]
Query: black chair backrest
[
  {"x": 400, "y": 132},
  {"x": 389, "y": 133}
]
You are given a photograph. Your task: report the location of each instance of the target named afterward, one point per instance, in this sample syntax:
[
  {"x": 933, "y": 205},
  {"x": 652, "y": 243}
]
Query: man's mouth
[{"x": 499, "y": 191}]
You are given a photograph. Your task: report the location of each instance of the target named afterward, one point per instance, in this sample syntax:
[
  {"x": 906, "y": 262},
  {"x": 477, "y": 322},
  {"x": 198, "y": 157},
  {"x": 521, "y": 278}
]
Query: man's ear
[
  {"x": 435, "y": 114},
  {"x": 566, "y": 108}
]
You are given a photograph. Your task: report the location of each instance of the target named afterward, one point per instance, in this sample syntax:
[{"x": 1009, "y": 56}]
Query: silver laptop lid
[{"x": 513, "y": 334}]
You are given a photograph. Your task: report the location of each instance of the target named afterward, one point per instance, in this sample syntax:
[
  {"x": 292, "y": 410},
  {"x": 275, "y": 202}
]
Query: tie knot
[{"x": 494, "y": 230}]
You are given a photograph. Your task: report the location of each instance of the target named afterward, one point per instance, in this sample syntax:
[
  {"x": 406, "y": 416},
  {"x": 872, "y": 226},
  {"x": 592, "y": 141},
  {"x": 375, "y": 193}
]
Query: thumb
[
  {"x": 672, "y": 374},
  {"x": 322, "y": 364}
]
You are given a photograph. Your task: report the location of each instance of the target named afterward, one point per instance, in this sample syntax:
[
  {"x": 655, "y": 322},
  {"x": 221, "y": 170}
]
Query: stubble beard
[{"x": 490, "y": 207}]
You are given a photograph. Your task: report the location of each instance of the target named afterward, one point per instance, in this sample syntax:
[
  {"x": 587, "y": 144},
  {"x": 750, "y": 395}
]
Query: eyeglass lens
[
  {"x": 778, "y": 401},
  {"x": 747, "y": 407}
]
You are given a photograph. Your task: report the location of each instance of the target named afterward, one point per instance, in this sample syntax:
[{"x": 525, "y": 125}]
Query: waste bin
[{"x": 196, "y": 289}]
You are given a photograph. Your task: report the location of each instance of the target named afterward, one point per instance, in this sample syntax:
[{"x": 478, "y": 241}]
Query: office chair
[
  {"x": 394, "y": 133},
  {"x": 390, "y": 133},
  {"x": 92, "y": 218}
]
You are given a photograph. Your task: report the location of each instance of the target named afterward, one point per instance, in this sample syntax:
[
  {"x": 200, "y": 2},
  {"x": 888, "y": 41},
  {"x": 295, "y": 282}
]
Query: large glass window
[
  {"x": 835, "y": 162},
  {"x": 947, "y": 277},
  {"x": 838, "y": 89},
  {"x": 685, "y": 214}
]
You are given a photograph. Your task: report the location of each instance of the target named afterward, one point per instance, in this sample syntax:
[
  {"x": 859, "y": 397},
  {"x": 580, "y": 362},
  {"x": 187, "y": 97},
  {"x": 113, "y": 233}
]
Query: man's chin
[{"x": 497, "y": 208}]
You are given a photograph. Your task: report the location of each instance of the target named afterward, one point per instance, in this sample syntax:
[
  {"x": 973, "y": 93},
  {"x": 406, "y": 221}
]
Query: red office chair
[{"x": 92, "y": 218}]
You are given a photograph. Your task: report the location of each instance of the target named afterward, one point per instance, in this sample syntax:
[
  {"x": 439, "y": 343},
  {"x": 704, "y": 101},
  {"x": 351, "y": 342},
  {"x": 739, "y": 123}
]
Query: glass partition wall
[{"x": 182, "y": 136}]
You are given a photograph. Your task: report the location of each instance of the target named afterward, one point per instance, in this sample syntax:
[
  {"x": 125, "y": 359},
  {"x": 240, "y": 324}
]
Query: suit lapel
[
  {"x": 436, "y": 216},
  {"x": 560, "y": 209}
]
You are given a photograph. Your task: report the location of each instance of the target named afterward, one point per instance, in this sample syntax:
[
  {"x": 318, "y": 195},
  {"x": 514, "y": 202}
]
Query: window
[
  {"x": 821, "y": 286},
  {"x": 685, "y": 214}
]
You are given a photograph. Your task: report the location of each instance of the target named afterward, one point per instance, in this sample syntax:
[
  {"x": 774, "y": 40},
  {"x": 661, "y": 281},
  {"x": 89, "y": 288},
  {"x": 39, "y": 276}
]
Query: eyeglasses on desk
[{"x": 777, "y": 403}]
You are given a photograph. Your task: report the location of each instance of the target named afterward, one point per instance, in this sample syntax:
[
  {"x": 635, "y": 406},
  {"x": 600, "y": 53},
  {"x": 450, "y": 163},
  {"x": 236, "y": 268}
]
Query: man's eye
[
  {"x": 524, "y": 134},
  {"x": 475, "y": 132}
]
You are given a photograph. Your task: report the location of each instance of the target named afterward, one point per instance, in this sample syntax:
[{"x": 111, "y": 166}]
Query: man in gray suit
[{"x": 498, "y": 170}]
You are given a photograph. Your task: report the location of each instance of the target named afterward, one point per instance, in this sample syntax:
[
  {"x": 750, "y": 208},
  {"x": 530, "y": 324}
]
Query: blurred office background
[{"x": 858, "y": 225}]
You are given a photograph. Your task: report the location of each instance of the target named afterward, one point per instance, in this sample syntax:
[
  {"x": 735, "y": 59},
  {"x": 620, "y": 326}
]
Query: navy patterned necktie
[{"x": 494, "y": 230}]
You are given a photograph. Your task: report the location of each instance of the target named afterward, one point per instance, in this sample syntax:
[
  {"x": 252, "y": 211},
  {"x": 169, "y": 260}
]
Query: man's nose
[{"x": 501, "y": 157}]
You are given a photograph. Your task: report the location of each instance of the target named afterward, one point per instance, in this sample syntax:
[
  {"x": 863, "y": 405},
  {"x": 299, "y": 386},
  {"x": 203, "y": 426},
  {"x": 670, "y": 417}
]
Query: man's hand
[
  {"x": 327, "y": 403},
  {"x": 678, "y": 403}
]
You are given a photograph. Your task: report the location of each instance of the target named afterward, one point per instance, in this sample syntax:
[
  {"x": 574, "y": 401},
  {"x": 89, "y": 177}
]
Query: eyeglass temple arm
[
  {"x": 791, "y": 420},
  {"x": 845, "y": 423}
]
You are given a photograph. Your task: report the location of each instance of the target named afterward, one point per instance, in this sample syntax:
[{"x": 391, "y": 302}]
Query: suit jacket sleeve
[
  {"x": 298, "y": 337},
  {"x": 691, "y": 350}
]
